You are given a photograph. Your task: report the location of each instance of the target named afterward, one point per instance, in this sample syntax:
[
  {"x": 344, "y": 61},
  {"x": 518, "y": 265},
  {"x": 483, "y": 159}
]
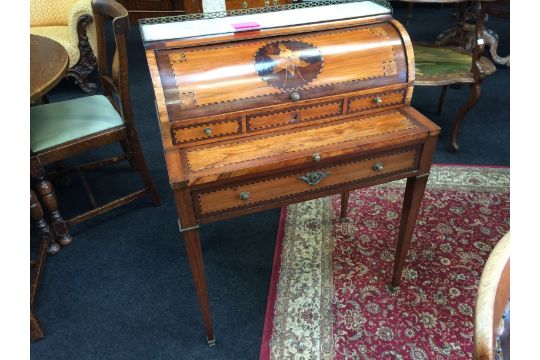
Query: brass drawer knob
[
  {"x": 316, "y": 157},
  {"x": 295, "y": 96},
  {"x": 378, "y": 166},
  {"x": 313, "y": 178},
  {"x": 207, "y": 131},
  {"x": 244, "y": 195},
  {"x": 377, "y": 100}
]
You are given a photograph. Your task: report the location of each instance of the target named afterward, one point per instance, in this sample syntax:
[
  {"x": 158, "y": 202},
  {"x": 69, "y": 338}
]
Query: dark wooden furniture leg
[
  {"x": 138, "y": 160},
  {"x": 344, "y": 205},
  {"x": 46, "y": 242},
  {"x": 35, "y": 329},
  {"x": 471, "y": 102},
  {"x": 48, "y": 198},
  {"x": 414, "y": 192},
  {"x": 442, "y": 99},
  {"x": 43, "y": 230},
  {"x": 127, "y": 152}
]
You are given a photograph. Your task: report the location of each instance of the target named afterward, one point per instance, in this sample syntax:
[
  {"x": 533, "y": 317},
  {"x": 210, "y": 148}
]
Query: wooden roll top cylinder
[{"x": 217, "y": 79}]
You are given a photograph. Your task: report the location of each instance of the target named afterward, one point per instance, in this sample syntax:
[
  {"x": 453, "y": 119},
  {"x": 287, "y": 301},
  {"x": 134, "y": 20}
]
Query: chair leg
[
  {"x": 48, "y": 199},
  {"x": 473, "y": 99},
  {"x": 140, "y": 165},
  {"x": 442, "y": 99},
  {"x": 36, "y": 333},
  {"x": 36, "y": 214},
  {"x": 125, "y": 148},
  {"x": 344, "y": 205}
]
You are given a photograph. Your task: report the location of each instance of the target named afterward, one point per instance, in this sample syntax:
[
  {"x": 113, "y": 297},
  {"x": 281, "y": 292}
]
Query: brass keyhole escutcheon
[
  {"x": 208, "y": 131},
  {"x": 377, "y": 100},
  {"x": 378, "y": 166},
  {"x": 244, "y": 195},
  {"x": 313, "y": 178},
  {"x": 295, "y": 96},
  {"x": 316, "y": 157}
]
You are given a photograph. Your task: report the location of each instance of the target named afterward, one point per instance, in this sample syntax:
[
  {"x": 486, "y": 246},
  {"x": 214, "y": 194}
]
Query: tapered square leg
[
  {"x": 414, "y": 192},
  {"x": 192, "y": 244}
]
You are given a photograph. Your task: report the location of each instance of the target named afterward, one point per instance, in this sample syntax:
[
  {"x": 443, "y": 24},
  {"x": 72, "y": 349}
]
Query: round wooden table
[{"x": 48, "y": 65}]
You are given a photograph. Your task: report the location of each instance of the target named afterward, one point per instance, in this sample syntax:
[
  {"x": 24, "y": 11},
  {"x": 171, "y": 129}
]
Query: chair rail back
[{"x": 114, "y": 79}]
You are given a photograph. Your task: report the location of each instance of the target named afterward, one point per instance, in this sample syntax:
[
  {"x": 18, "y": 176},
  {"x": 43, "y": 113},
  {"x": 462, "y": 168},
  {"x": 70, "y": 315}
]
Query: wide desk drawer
[{"x": 275, "y": 189}]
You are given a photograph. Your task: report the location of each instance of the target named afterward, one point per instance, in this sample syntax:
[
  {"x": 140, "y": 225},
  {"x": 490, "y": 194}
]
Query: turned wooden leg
[
  {"x": 473, "y": 99},
  {"x": 194, "y": 254},
  {"x": 344, "y": 205},
  {"x": 48, "y": 198},
  {"x": 35, "y": 329},
  {"x": 43, "y": 230},
  {"x": 414, "y": 192},
  {"x": 442, "y": 99}
]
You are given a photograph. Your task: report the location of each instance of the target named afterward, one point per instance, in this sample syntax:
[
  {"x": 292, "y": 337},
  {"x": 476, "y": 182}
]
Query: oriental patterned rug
[{"x": 328, "y": 293}]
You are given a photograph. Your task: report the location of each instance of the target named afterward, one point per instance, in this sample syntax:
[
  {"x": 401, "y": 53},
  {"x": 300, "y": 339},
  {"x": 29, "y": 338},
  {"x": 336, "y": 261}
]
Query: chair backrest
[
  {"x": 114, "y": 77},
  {"x": 50, "y": 12}
]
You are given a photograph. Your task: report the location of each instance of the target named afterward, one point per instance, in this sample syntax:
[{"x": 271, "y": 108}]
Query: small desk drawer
[
  {"x": 294, "y": 115},
  {"x": 203, "y": 131},
  {"x": 275, "y": 189},
  {"x": 376, "y": 100}
]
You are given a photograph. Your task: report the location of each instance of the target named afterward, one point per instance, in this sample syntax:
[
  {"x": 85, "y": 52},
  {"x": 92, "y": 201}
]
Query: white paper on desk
[{"x": 205, "y": 27}]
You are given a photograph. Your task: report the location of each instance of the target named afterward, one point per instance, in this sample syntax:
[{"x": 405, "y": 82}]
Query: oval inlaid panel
[{"x": 288, "y": 64}]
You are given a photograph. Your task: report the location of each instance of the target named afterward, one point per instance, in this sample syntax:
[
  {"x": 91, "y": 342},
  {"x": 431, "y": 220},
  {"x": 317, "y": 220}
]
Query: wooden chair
[
  {"x": 442, "y": 65},
  {"x": 491, "y": 302},
  {"x": 63, "y": 129}
]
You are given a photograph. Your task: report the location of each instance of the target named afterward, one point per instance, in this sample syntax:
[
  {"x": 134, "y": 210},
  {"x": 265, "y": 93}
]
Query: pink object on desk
[{"x": 246, "y": 26}]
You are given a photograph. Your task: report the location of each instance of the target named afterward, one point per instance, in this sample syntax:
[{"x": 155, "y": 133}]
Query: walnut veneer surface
[{"x": 261, "y": 119}]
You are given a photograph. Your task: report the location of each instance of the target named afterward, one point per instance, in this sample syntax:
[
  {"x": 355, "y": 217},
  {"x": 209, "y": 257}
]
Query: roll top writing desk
[{"x": 261, "y": 108}]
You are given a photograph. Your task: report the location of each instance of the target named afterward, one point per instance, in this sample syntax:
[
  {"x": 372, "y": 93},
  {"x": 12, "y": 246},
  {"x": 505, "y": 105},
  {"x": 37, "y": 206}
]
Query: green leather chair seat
[
  {"x": 60, "y": 122},
  {"x": 435, "y": 62}
]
